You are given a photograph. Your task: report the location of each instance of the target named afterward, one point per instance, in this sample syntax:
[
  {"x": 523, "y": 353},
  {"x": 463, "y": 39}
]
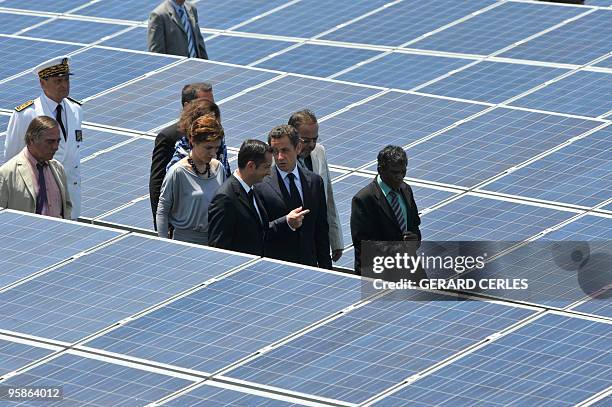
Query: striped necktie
[
  {"x": 187, "y": 26},
  {"x": 397, "y": 210}
]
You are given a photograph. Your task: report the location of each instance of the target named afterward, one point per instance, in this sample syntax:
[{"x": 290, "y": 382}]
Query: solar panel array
[{"x": 504, "y": 109}]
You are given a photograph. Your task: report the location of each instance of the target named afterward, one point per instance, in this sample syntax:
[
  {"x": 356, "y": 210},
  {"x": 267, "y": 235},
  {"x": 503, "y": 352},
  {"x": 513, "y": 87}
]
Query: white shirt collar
[
  {"x": 50, "y": 102},
  {"x": 246, "y": 186},
  {"x": 294, "y": 172}
]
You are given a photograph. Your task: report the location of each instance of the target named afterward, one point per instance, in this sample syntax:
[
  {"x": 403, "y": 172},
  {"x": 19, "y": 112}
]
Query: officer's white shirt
[{"x": 68, "y": 153}]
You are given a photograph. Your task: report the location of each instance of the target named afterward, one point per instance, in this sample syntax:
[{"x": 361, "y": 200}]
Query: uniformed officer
[{"x": 54, "y": 101}]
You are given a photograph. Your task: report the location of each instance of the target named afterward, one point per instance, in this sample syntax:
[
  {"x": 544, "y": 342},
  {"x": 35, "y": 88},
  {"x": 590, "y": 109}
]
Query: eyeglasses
[{"x": 309, "y": 140}]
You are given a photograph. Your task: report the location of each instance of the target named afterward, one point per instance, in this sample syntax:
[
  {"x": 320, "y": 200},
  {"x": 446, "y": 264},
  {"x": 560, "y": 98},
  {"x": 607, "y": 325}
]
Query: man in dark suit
[
  {"x": 385, "y": 210},
  {"x": 237, "y": 219},
  {"x": 290, "y": 187},
  {"x": 167, "y": 138},
  {"x": 174, "y": 29}
]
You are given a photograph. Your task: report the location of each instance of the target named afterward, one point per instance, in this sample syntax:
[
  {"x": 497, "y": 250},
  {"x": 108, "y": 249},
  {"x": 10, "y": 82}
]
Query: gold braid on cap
[{"x": 55, "y": 70}]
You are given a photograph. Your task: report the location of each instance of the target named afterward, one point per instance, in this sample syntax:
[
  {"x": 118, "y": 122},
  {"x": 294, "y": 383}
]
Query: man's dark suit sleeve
[
  {"x": 221, "y": 221},
  {"x": 162, "y": 152},
  {"x": 202, "y": 47},
  {"x": 322, "y": 229}
]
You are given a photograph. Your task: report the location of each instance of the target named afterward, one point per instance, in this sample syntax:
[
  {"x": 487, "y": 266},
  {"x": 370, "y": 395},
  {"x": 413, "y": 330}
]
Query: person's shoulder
[
  {"x": 169, "y": 133},
  {"x": 26, "y": 105},
  {"x": 73, "y": 104},
  {"x": 11, "y": 164},
  {"x": 367, "y": 191}
]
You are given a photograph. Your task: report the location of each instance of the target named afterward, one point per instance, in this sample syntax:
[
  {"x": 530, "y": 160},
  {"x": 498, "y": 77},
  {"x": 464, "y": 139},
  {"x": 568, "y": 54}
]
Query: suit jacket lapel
[
  {"x": 306, "y": 187},
  {"x": 243, "y": 197},
  {"x": 278, "y": 185},
  {"x": 174, "y": 16},
  {"x": 384, "y": 204},
  {"x": 25, "y": 172}
]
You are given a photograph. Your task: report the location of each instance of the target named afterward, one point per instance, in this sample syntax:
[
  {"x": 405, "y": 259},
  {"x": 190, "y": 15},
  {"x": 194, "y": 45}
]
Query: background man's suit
[
  {"x": 162, "y": 153},
  {"x": 17, "y": 189},
  {"x": 373, "y": 219},
  {"x": 167, "y": 35},
  {"x": 310, "y": 243},
  {"x": 234, "y": 224}
]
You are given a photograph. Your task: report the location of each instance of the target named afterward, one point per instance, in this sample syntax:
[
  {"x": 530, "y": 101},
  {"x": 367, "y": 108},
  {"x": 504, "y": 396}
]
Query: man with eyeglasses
[{"x": 312, "y": 156}]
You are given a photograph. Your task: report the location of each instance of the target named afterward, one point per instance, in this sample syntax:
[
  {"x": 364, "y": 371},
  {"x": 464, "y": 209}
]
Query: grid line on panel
[{"x": 15, "y": 355}]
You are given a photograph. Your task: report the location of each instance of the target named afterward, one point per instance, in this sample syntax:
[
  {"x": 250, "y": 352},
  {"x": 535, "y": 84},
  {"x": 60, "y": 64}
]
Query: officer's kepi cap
[{"x": 58, "y": 66}]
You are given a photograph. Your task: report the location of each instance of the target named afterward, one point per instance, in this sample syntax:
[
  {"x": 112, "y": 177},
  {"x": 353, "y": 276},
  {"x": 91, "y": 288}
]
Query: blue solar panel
[
  {"x": 587, "y": 228},
  {"x": 318, "y": 60},
  {"x": 227, "y": 13},
  {"x": 555, "y": 360},
  {"x": 492, "y": 82},
  {"x": 116, "y": 177},
  {"x": 137, "y": 215},
  {"x": 598, "y": 306},
  {"x": 377, "y": 346},
  {"x": 97, "y": 140},
  {"x": 571, "y": 175},
  {"x": 155, "y": 100},
  {"x": 26, "y": 54},
  {"x": 242, "y": 50},
  {"x": 497, "y": 28},
  {"x": 578, "y": 42},
  {"x": 348, "y": 258},
  {"x": 94, "y": 382},
  {"x": 475, "y": 218},
  {"x": 600, "y": 3},
  {"x": 56, "y": 6},
  {"x": 405, "y": 21},
  {"x": 273, "y": 104},
  {"x": 403, "y": 71},
  {"x": 95, "y": 70},
  {"x": 234, "y": 317},
  {"x": 583, "y": 93},
  {"x": 137, "y": 10},
  {"x": 217, "y": 396},
  {"x": 606, "y": 63},
  {"x": 490, "y": 144},
  {"x": 321, "y": 15},
  {"x": 15, "y": 355},
  {"x": 135, "y": 39},
  {"x": 103, "y": 287},
  {"x": 12, "y": 23},
  {"x": 74, "y": 30},
  {"x": 32, "y": 243},
  {"x": 353, "y": 138}
]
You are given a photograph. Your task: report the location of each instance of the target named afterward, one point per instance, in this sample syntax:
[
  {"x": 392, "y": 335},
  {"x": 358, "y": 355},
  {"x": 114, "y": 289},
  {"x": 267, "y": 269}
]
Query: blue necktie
[
  {"x": 41, "y": 199},
  {"x": 190, "y": 39}
]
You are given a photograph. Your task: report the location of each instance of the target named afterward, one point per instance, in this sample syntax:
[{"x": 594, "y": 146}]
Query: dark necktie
[
  {"x": 308, "y": 162},
  {"x": 58, "y": 117},
  {"x": 395, "y": 205},
  {"x": 295, "y": 200},
  {"x": 41, "y": 199},
  {"x": 251, "y": 199}
]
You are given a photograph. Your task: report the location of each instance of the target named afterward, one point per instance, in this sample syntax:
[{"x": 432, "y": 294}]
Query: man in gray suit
[{"x": 174, "y": 29}]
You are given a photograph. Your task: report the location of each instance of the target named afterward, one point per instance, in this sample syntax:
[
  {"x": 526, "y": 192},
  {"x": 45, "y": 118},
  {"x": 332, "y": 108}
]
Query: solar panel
[
  {"x": 74, "y": 30},
  {"x": 571, "y": 175},
  {"x": 136, "y": 215},
  {"x": 273, "y": 103},
  {"x": 318, "y": 60},
  {"x": 600, "y": 3},
  {"x": 554, "y": 360},
  {"x": 582, "y": 93},
  {"x": 242, "y": 50},
  {"x": 103, "y": 287},
  {"x": 14, "y": 355},
  {"x": 155, "y": 100},
  {"x": 490, "y": 144},
  {"x": 493, "y": 82},
  {"x": 234, "y": 317},
  {"x": 134, "y": 39},
  {"x": 11, "y": 23},
  {"x": 226, "y": 14},
  {"x": 578, "y": 42},
  {"x": 606, "y": 63},
  {"x": 116, "y": 177},
  {"x": 476, "y": 218},
  {"x": 353, "y": 138},
  {"x": 598, "y": 306},
  {"x": 32, "y": 243},
  {"x": 405, "y": 21},
  {"x": 25, "y": 55},
  {"x": 220, "y": 396},
  {"x": 348, "y": 258},
  {"x": 95, "y": 140},
  {"x": 56, "y": 6},
  {"x": 376, "y": 346},
  {"x": 137, "y": 10},
  {"x": 403, "y": 71},
  {"x": 497, "y": 28},
  {"x": 321, "y": 15},
  {"x": 88, "y": 381},
  {"x": 586, "y": 228}
]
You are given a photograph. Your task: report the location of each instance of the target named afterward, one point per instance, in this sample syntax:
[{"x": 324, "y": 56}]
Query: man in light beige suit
[
  {"x": 312, "y": 157},
  {"x": 32, "y": 181},
  {"x": 174, "y": 29}
]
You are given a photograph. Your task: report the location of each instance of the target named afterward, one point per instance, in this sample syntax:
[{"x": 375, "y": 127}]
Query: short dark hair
[
  {"x": 300, "y": 117},
  {"x": 37, "y": 127},
  {"x": 190, "y": 91},
  {"x": 392, "y": 155},
  {"x": 253, "y": 150},
  {"x": 282, "y": 131}
]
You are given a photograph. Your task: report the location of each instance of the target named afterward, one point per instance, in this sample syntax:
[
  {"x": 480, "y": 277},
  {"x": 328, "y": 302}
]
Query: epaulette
[
  {"x": 24, "y": 106},
  {"x": 78, "y": 102}
]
